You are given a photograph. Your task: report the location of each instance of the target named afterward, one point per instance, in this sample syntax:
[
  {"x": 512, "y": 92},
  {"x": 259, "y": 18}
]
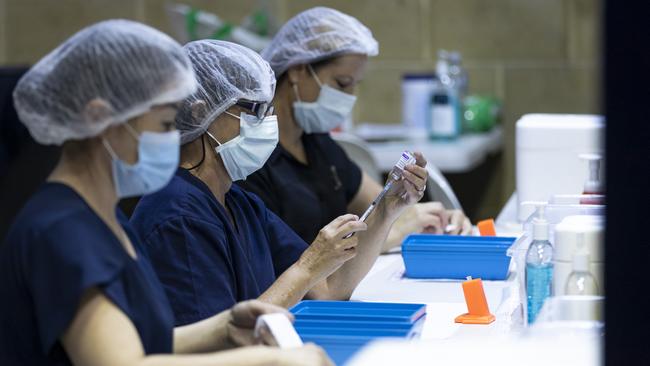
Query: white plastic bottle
[
  {"x": 539, "y": 266},
  {"x": 593, "y": 185},
  {"x": 581, "y": 281},
  {"x": 444, "y": 111}
]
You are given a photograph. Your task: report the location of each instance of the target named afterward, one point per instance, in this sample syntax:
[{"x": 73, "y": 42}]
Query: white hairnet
[
  {"x": 226, "y": 72},
  {"x": 317, "y": 34},
  {"x": 103, "y": 75}
]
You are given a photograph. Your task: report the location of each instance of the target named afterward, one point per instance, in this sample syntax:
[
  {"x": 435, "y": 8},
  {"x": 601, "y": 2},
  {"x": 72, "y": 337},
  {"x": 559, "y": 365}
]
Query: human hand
[
  {"x": 243, "y": 318},
  {"x": 331, "y": 249},
  {"x": 409, "y": 189},
  {"x": 308, "y": 355}
]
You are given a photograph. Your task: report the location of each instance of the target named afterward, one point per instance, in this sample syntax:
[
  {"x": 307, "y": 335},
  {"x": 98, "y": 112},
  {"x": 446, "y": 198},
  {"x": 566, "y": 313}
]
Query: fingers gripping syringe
[{"x": 395, "y": 175}]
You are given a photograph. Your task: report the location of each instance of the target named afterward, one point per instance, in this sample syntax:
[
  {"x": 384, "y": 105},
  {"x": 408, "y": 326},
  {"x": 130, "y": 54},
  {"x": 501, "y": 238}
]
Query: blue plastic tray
[
  {"x": 352, "y": 324},
  {"x": 359, "y": 328},
  {"x": 339, "y": 349},
  {"x": 340, "y": 344},
  {"x": 343, "y": 327},
  {"x": 358, "y": 311},
  {"x": 456, "y": 257}
]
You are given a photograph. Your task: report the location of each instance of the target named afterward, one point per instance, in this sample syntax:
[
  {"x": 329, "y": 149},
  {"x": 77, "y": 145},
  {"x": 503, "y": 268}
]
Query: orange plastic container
[
  {"x": 477, "y": 306},
  {"x": 486, "y": 228}
]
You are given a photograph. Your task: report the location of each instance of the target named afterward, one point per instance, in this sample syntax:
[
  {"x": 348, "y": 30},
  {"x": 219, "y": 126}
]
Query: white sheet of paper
[{"x": 281, "y": 328}]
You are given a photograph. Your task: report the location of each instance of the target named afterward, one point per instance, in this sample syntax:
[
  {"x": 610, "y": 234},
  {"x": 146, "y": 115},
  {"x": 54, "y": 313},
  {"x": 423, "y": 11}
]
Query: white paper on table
[{"x": 281, "y": 328}]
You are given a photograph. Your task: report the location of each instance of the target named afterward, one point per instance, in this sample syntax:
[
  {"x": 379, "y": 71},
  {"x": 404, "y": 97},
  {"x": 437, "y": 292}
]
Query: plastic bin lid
[
  {"x": 455, "y": 243},
  {"x": 553, "y": 131}
]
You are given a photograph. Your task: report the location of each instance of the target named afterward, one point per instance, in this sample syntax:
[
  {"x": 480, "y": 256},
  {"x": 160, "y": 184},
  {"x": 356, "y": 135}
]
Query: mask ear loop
[
  {"x": 313, "y": 74},
  {"x": 203, "y": 148},
  {"x": 108, "y": 147},
  {"x": 294, "y": 86},
  {"x": 214, "y": 138},
  {"x": 231, "y": 115},
  {"x": 132, "y": 131}
]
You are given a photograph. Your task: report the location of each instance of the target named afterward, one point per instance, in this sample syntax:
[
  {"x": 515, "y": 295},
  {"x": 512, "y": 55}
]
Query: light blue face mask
[
  {"x": 248, "y": 152},
  {"x": 332, "y": 108},
  {"x": 158, "y": 155}
]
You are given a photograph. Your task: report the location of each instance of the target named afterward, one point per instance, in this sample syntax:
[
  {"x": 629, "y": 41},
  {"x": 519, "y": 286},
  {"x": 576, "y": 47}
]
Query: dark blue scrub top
[
  {"x": 205, "y": 264},
  {"x": 307, "y": 197},
  {"x": 56, "y": 249}
]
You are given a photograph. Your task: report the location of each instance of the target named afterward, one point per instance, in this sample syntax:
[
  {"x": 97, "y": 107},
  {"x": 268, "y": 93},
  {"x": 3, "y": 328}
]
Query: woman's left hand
[
  {"x": 410, "y": 189},
  {"x": 243, "y": 317}
]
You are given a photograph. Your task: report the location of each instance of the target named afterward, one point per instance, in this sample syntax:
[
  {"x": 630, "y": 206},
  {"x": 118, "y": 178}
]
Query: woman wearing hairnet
[
  {"x": 212, "y": 243},
  {"x": 75, "y": 286},
  {"x": 318, "y": 57}
]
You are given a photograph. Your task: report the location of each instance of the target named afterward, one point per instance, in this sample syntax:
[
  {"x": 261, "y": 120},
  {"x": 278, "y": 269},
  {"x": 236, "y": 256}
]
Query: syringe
[{"x": 395, "y": 174}]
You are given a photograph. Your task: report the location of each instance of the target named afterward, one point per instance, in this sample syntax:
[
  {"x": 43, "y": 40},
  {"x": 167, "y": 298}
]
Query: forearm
[
  {"x": 371, "y": 242},
  {"x": 207, "y": 335},
  {"x": 393, "y": 239},
  {"x": 291, "y": 286},
  {"x": 404, "y": 225},
  {"x": 249, "y": 356}
]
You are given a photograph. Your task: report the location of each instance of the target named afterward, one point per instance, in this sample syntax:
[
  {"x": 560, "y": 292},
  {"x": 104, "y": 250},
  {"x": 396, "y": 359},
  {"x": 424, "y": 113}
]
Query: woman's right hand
[
  {"x": 307, "y": 355},
  {"x": 330, "y": 250}
]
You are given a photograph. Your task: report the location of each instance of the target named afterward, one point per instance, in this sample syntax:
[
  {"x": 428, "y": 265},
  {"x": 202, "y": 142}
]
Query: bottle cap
[{"x": 540, "y": 224}]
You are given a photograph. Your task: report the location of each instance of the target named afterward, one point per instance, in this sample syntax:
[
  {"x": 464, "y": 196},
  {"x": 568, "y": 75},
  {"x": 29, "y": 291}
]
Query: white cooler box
[{"x": 547, "y": 155}]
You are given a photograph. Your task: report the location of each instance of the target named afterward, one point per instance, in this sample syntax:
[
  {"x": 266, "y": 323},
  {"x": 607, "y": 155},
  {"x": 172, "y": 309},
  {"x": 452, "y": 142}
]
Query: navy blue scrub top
[
  {"x": 205, "y": 264},
  {"x": 307, "y": 197},
  {"x": 57, "y": 249}
]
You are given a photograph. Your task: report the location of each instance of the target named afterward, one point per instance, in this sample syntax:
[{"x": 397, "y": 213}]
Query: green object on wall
[
  {"x": 191, "y": 22},
  {"x": 480, "y": 114}
]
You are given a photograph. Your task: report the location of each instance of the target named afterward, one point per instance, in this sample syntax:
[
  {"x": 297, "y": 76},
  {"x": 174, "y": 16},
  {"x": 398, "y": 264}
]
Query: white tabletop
[
  {"x": 454, "y": 156},
  {"x": 444, "y": 300},
  {"x": 445, "y": 342}
]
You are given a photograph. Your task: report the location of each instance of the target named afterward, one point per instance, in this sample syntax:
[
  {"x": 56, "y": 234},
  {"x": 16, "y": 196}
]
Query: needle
[{"x": 372, "y": 206}]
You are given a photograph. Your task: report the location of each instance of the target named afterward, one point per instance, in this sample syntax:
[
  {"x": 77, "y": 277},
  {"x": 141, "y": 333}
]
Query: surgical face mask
[
  {"x": 331, "y": 109},
  {"x": 248, "y": 152},
  {"x": 158, "y": 155}
]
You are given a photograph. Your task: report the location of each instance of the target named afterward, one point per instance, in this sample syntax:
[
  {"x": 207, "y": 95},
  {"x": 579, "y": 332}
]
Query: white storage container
[
  {"x": 416, "y": 100},
  {"x": 547, "y": 155},
  {"x": 567, "y": 232}
]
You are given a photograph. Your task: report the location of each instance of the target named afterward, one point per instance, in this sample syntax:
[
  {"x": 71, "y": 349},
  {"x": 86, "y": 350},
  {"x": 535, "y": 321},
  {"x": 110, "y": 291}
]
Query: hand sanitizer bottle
[
  {"x": 581, "y": 281},
  {"x": 539, "y": 266},
  {"x": 593, "y": 184},
  {"x": 444, "y": 111}
]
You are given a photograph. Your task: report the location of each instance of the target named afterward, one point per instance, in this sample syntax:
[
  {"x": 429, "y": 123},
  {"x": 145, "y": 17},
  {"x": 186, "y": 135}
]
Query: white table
[
  {"x": 444, "y": 300},
  {"x": 443, "y": 342},
  {"x": 454, "y": 156}
]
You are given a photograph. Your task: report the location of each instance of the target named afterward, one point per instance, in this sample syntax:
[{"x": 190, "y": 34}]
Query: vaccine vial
[{"x": 405, "y": 159}]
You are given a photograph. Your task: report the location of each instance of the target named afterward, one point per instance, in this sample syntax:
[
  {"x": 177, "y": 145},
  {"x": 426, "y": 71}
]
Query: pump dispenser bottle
[
  {"x": 593, "y": 184},
  {"x": 581, "y": 281},
  {"x": 539, "y": 265}
]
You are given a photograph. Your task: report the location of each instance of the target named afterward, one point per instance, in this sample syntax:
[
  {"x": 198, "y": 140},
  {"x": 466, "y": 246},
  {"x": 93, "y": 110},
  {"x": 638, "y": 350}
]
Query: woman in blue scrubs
[
  {"x": 75, "y": 286},
  {"x": 214, "y": 244},
  {"x": 319, "y": 57}
]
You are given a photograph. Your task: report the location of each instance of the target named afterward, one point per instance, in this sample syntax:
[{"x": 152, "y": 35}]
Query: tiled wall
[{"x": 536, "y": 55}]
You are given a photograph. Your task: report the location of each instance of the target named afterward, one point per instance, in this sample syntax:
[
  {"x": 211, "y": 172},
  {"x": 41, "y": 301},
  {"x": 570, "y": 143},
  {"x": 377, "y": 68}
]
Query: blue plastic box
[
  {"x": 358, "y": 311},
  {"x": 343, "y": 327},
  {"x": 456, "y": 257},
  {"x": 339, "y": 348}
]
